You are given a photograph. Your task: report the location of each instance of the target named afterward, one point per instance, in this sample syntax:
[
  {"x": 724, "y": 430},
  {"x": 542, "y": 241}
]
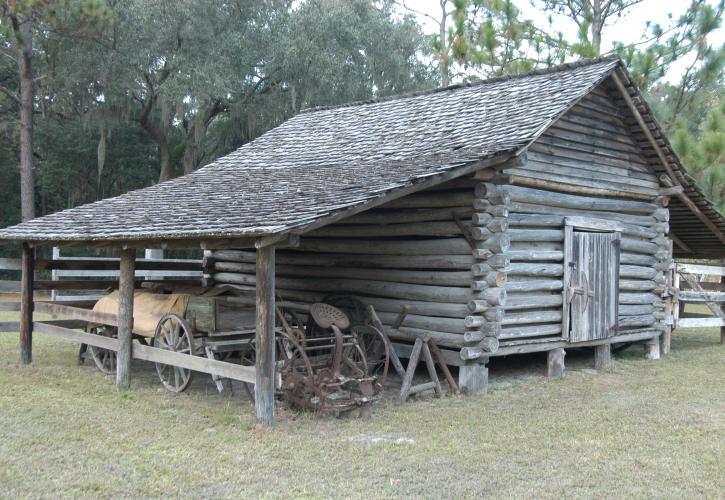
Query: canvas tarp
[{"x": 148, "y": 308}]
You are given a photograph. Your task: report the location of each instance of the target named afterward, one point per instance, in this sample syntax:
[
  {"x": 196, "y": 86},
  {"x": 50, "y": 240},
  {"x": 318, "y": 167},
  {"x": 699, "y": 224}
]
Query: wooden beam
[
  {"x": 265, "y": 362},
  {"x": 663, "y": 159},
  {"x": 125, "y": 318},
  {"x": 395, "y": 194},
  {"x": 680, "y": 243},
  {"x": 26, "y": 304}
]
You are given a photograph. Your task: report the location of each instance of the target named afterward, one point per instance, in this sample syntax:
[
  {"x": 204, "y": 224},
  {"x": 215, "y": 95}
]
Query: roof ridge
[{"x": 458, "y": 86}]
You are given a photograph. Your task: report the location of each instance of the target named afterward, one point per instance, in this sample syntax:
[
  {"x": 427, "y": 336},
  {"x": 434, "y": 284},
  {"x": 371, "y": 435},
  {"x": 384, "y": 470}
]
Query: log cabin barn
[{"x": 531, "y": 213}]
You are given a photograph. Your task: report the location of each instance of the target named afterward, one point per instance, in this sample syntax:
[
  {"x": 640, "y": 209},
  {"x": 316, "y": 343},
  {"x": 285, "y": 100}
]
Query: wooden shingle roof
[{"x": 326, "y": 160}]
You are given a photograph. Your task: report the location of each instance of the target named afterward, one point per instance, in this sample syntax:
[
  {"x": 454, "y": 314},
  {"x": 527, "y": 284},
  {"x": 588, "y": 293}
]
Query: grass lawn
[{"x": 643, "y": 429}]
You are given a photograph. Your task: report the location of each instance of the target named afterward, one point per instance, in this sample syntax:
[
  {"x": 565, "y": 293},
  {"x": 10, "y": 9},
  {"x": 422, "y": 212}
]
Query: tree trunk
[
  {"x": 165, "y": 171},
  {"x": 444, "y": 49},
  {"x": 25, "y": 72},
  {"x": 597, "y": 26}
]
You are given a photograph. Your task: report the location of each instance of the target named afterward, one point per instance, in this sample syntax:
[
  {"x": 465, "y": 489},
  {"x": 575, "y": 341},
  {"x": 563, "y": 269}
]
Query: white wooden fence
[
  {"x": 700, "y": 284},
  {"x": 85, "y": 278}
]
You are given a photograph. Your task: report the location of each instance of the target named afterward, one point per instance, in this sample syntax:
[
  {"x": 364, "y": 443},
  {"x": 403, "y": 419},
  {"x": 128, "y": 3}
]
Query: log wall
[
  {"x": 590, "y": 149},
  {"x": 415, "y": 251}
]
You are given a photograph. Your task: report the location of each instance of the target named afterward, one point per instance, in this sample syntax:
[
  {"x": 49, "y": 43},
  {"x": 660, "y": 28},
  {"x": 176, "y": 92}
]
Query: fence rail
[
  {"x": 86, "y": 278},
  {"x": 700, "y": 284}
]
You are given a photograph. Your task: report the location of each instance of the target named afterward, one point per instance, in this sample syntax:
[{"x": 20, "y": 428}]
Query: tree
[
  {"x": 704, "y": 153},
  {"x": 591, "y": 17}
]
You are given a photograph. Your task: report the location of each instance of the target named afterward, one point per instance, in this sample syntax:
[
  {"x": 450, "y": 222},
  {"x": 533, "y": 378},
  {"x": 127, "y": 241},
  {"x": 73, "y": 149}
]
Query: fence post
[
  {"x": 26, "y": 304},
  {"x": 125, "y": 318},
  {"x": 722, "y": 289},
  {"x": 265, "y": 363}
]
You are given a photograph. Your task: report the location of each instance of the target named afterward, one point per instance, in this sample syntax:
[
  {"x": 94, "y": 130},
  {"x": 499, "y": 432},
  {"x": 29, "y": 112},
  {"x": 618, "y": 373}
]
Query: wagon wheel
[
  {"x": 298, "y": 379},
  {"x": 105, "y": 359},
  {"x": 174, "y": 334},
  {"x": 373, "y": 344}
]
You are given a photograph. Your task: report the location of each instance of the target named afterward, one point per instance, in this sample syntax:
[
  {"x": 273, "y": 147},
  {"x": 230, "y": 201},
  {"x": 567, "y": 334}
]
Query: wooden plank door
[{"x": 593, "y": 282}]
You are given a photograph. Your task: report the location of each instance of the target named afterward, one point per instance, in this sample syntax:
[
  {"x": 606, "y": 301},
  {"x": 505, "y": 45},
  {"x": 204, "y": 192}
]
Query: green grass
[{"x": 643, "y": 429}]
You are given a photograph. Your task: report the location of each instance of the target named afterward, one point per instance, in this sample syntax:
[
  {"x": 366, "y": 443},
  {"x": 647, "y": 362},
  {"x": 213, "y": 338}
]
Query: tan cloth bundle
[{"x": 148, "y": 308}]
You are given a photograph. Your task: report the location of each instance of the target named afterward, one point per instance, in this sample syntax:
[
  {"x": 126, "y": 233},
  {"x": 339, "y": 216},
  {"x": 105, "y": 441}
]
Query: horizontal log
[
  {"x": 532, "y": 208},
  {"x": 637, "y": 285},
  {"x": 535, "y": 255},
  {"x": 517, "y": 332},
  {"x": 442, "y": 338},
  {"x": 416, "y": 307},
  {"x": 525, "y": 269},
  {"x": 550, "y": 220},
  {"x": 637, "y": 298},
  {"x": 352, "y": 286},
  {"x": 9, "y": 306},
  {"x": 354, "y": 260},
  {"x": 636, "y": 310},
  {"x": 636, "y": 321},
  {"x": 410, "y": 215},
  {"x": 434, "y": 200},
  {"x": 639, "y": 246},
  {"x": 534, "y": 286},
  {"x": 488, "y": 280},
  {"x": 637, "y": 259},
  {"x": 641, "y": 272},
  {"x": 535, "y": 346},
  {"x": 551, "y": 198},
  {"x": 439, "y": 228},
  {"x": 536, "y": 234},
  {"x": 441, "y": 246},
  {"x": 532, "y": 301},
  {"x": 528, "y": 317},
  {"x": 449, "y": 325},
  {"x": 452, "y": 278}
]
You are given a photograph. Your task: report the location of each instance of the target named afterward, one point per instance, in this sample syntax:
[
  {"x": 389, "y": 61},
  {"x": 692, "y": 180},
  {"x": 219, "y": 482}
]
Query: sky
[{"x": 630, "y": 28}]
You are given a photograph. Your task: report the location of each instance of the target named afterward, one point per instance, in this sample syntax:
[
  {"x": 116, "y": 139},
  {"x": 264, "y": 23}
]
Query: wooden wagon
[
  {"x": 322, "y": 362},
  {"x": 210, "y": 326}
]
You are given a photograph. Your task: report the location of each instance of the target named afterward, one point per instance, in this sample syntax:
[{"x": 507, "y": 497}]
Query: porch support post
[
  {"x": 125, "y": 318},
  {"x": 652, "y": 349},
  {"x": 26, "y": 304},
  {"x": 473, "y": 377},
  {"x": 264, "y": 386},
  {"x": 555, "y": 363},
  {"x": 722, "y": 289},
  {"x": 603, "y": 357}
]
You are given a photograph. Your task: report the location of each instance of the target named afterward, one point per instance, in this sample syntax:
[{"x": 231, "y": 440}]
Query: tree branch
[{"x": 12, "y": 95}]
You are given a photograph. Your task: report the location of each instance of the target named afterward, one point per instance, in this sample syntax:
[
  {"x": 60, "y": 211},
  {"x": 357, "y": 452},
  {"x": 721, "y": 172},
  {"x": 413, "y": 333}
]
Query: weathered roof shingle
[{"x": 326, "y": 160}]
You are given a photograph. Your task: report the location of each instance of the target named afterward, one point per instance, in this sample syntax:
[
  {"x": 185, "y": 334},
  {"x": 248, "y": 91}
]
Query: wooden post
[
  {"x": 26, "y": 304},
  {"x": 555, "y": 363},
  {"x": 125, "y": 318},
  {"x": 265, "y": 364},
  {"x": 652, "y": 349},
  {"x": 603, "y": 357},
  {"x": 473, "y": 377},
  {"x": 722, "y": 289}
]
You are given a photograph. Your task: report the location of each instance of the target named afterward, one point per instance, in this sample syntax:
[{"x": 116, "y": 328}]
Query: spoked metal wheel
[
  {"x": 174, "y": 334},
  {"x": 104, "y": 359}
]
